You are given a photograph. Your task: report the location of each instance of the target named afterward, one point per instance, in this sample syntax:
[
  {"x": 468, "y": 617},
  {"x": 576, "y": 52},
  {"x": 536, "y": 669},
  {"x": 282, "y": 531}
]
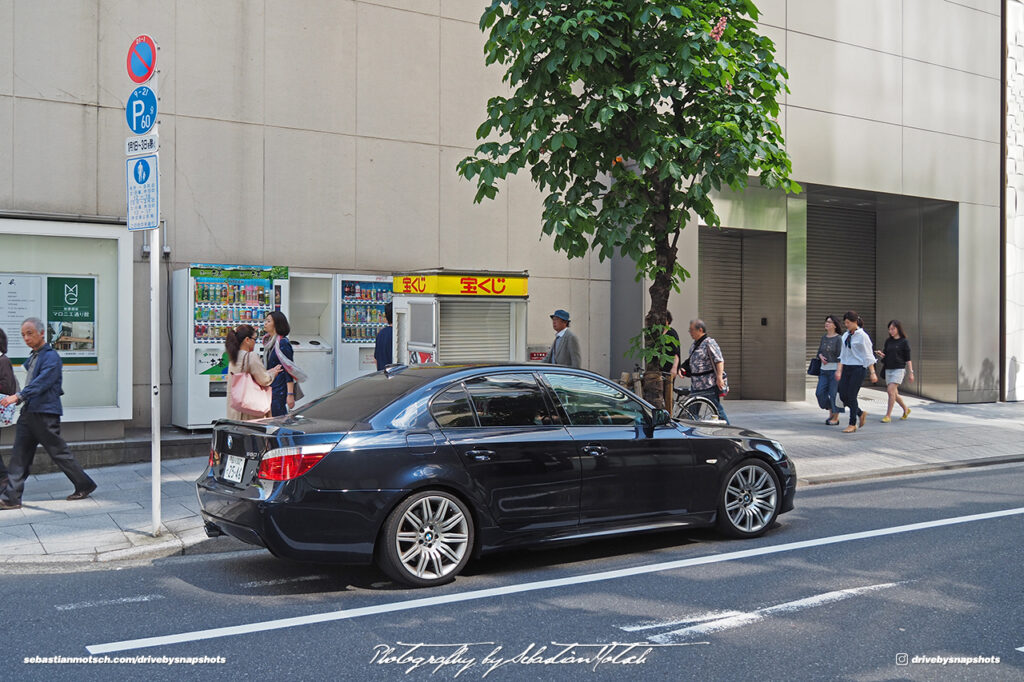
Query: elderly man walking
[
  {"x": 39, "y": 423},
  {"x": 565, "y": 350}
]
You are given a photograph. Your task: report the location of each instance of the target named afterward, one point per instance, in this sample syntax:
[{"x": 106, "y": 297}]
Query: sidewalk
[{"x": 115, "y": 522}]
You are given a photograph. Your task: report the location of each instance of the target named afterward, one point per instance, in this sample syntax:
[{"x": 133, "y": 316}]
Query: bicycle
[{"x": 693, "y": 407}]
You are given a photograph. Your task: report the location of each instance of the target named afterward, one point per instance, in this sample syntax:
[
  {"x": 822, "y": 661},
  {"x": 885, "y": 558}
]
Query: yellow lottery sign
[{"x": 460, "y": 285}]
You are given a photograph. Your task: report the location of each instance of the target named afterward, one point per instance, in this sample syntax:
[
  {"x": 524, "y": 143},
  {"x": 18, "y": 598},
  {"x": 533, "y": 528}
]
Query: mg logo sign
[{"x": 71, "y": 294}]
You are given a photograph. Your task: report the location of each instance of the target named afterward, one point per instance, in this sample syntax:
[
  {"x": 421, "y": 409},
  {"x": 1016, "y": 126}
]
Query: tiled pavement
[{"x": 115, "y": 522}]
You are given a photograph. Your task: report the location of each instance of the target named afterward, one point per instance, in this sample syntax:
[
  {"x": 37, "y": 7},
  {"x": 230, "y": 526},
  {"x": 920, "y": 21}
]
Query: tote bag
[{"x": 245, "y": 395}]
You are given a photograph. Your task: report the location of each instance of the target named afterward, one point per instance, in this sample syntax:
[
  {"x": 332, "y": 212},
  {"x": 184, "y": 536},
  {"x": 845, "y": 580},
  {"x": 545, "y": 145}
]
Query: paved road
[{"x": 840, "y": 589}]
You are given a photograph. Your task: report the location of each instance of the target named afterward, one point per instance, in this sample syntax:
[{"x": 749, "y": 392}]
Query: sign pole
[
  {"x": 142, "y": 178},
  {"x": 154, "y": 369}
]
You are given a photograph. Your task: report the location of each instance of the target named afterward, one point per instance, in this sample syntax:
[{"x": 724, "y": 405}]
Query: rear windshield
[{"x": 361, "y": 398}]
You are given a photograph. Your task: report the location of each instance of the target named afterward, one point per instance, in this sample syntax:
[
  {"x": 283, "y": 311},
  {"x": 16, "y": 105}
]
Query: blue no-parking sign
[
  {"x": 142, "y": 177},
  {"x": 141, "y": 61},
  {"x": 140, "y": 111}
]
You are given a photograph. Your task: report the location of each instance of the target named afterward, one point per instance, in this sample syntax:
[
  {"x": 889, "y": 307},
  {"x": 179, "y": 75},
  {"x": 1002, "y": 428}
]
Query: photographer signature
[{"x": 464, "y": 656}]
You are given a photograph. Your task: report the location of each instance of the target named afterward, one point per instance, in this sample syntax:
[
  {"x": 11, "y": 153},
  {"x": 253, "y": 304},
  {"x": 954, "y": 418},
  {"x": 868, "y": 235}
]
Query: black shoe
[
  {"x": 4, "y": 504},
  {"x": 82, "y": 494}
]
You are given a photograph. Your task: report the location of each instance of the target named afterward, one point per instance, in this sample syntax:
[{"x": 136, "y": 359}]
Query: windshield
[{"x": 361, "y": 398}]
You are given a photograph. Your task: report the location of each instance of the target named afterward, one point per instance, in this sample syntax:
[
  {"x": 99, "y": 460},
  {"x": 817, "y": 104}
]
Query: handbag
[
  {"x": 245, "y": 395},
  {"x": 9, "y": 414},
  {"x": 814, "y": 369}
]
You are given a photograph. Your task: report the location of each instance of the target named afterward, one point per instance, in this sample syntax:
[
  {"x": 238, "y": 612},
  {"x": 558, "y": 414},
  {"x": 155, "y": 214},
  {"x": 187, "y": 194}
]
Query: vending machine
[
  {"x": 361, "y": 302},
  {"x": 206, "y": 301},
  {"x": 312, "y": 319}
]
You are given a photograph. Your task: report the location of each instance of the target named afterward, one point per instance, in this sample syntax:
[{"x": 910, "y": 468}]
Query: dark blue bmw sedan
[{"x": 420, "y": 469}]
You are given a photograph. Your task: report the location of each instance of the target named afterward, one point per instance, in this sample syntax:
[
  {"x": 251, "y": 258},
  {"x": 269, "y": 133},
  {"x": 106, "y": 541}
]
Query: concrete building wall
[
  {"x": 319, "y": 135},
  {"x": 900, "y": 98},
  {"x": 1014, "y": 206},
  {"x": 324, "y": 136}
]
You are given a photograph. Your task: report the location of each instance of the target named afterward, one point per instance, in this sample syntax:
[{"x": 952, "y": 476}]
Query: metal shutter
[
  {"x": 840, "y": 269},
  {"x": 720, "y": 279},
  {"x": 475, "y": 331}
]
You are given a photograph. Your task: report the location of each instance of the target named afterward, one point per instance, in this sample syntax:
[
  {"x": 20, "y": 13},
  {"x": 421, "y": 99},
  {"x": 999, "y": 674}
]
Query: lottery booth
[{"x": 446, "y": 316}]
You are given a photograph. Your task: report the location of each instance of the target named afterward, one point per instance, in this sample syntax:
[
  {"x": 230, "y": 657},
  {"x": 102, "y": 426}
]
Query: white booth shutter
[{"x": 475, "y": 331}]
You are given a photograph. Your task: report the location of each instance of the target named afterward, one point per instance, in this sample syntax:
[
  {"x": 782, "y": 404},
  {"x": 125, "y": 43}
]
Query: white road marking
[
  {"x": 702, "y": 618},
  {"x": 108, "y": 602},
  {"x": 739, "y": 619},
  {"x": 283, "y": 581},
  {"x": 1020, "y": 649},
  {"x": 575, "y": 580}
]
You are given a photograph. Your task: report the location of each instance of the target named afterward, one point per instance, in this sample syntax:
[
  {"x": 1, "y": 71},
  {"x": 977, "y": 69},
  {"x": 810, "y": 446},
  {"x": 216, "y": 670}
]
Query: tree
[{"x": 627, "y": 114}]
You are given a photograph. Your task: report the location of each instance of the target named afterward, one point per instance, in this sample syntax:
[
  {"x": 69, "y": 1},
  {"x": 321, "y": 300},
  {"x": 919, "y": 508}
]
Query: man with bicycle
[{"x": 706, "y": 367}]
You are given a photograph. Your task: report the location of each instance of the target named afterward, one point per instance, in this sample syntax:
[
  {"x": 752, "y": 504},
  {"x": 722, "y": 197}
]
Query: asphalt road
[{"x": 842, "y": 588}]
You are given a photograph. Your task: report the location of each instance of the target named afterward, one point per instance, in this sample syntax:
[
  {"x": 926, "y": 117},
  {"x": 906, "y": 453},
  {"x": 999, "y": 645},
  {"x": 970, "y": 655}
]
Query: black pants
[
  {"x": 849, "y": 387},
  {"x": 34, "y": 429}
]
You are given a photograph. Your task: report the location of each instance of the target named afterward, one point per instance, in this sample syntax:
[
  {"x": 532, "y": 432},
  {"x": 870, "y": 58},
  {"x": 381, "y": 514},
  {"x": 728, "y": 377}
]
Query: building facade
[{"x": 323, "y": 135}]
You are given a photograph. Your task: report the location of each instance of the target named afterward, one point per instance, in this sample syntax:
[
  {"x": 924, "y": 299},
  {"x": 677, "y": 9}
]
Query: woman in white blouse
[{"x": 855, "y": 359}]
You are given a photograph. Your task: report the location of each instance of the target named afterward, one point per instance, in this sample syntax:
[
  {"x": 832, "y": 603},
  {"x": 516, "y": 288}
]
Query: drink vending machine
[
  {"x": 361, "y": 302},
  {"x": 206, "y": 301}
]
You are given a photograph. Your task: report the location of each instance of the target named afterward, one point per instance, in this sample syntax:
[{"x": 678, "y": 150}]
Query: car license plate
[{"x": 234, "y": 468}]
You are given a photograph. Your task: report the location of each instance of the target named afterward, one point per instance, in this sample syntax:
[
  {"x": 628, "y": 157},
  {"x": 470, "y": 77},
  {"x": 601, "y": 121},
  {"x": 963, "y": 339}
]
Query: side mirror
[{"x": 661, "y": 418}]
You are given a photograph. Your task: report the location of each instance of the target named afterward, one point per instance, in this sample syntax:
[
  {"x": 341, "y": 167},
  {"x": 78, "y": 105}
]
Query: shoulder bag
[
  {"x": 814, "y": 368},
  {"x": 684, "y": 366},
  {"x": 247, "y": 396}
]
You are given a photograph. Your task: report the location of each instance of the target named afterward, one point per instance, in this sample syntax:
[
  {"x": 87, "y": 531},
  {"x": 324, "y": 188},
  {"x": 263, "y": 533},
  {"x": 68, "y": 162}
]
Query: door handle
[
  {"x": 480, "y": 455},
  {"x": 595, "y": 449}
]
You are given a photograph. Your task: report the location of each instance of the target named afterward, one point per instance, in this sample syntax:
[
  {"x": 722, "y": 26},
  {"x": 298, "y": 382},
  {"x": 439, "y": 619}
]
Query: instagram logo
[{"x": 902, "y": 659}]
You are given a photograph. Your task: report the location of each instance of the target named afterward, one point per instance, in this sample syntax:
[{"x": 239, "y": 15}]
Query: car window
[
  {"x": 362, "y": 397},
  {"x": 451, "y": 408},
  {"x": 588, "y": 402},
  {"x": 508, "y": 400}
]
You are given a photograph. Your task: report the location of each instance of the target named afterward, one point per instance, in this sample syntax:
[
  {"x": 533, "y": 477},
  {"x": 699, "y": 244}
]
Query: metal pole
[{"x": 154, "y": 370}]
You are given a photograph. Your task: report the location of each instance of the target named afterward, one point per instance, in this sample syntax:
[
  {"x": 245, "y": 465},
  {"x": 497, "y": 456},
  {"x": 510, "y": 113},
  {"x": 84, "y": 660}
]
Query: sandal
[
  {"x": 886, "y": 420},
  {"x": 850, "y": 429},
  {"x": 831, "y": 422},
  {"x": 905, "y": 414}
]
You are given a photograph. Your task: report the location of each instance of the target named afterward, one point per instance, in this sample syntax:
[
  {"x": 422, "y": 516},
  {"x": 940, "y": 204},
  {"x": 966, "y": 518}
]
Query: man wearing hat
[{"x": 566, "y": 348}]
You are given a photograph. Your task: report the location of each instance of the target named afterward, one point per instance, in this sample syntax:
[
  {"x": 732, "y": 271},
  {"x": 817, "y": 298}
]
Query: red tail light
[
  {"x": 214, "y": 458},
  {"x": 284, "y": 464}
]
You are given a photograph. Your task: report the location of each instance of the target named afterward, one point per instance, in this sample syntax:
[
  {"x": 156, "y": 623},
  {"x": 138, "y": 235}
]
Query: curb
[
  {"x": 184, "y": 543},
  {"x": 912, "y": 469}
]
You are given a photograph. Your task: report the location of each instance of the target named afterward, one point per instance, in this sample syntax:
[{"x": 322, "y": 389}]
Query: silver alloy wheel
[
  {"x": 750, "y": 498},
  {"x": 432, "y": 538}
]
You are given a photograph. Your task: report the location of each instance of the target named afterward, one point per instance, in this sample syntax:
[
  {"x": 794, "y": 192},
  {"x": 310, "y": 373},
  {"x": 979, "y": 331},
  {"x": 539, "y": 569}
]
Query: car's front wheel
[
  {"x": 426, "y": 539},
  {"x": 749, "y": 500}
]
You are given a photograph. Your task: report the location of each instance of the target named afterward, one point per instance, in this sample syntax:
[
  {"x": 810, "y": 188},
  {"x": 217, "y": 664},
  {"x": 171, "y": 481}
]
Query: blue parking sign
[{"x": 140, "y": 111}]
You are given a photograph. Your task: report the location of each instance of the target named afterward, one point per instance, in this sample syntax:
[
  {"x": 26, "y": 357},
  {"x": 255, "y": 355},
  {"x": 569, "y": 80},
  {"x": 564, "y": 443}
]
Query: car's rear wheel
[
  {"x": 749, "y": 500},
  {"x": 426, "y": 539}
]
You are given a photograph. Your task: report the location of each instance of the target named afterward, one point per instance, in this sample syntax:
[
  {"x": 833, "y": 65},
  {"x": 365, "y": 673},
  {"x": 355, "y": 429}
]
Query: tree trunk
[{"x": 665, "y": 257}]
